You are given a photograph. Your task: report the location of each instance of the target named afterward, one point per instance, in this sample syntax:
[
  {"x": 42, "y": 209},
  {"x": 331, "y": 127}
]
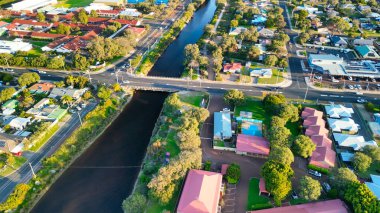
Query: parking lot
[{"x": 348, "y": 56}]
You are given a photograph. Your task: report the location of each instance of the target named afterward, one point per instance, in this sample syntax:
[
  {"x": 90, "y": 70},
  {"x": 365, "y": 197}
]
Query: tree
[
  {"x": 189, "y": 139},
  {"x": 279, "y": 136},
  {"x": 277, "y": 179},
  {"x": 28, "y": 78},
  {"x": 59, "y": 84},
  {"x": 41, "y": 17},
  {"x": 191, "y": 53},
  {"x": 342, "y": 177},
  {"x": 63, "y": 29},
  {"x": 234, "y": 97},
  {"x": 234, "y": 23},
  {"x": 66, "y": 99},
  {"x": 25, "y": 99},
  {"x": 310, "y": 189},
  {"x": 303, "y": 146},
  {"x": 270, "y": 60},
  {"x": 55, "y": 18},
  {"x": 82, "y": 17},
  {"x": 282, "y": 62},
  {"x": 272, "y": 102},
  {"x": 277, "y": 122},
  {"x": 56, "y": 62},
  {"x": 16, "y": 198},
  {"x": 339, "y": 24},
  {"x": 81, "y": 82},
  {"x": 104, "y": 93},
  {"x": 253, "y": 52},
  {"x": 135, "y": 203},
  {"x": 288, "y": 112},
  {"x": 361, "y": 198},
  {"x": 361, "y": 162},
  {"x": 80, "y": 62},
  {"x": 87, "y": 95},
  {"x": 7, "y": 94},
  {"x": 303, "y": 37},
  {"x": 281, "y": 155},
  {"x": 93, "y": 13},
  {"x": 372, "y": 151},
  {"x": 233, "y": 173},
  {"x": 116, "y": 87}
]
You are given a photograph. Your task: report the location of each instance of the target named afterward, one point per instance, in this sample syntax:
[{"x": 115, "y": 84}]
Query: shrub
[
  {"x": 233, "y": 174},
  {"x": 319, "y": 169},
  {"x": 369, "y": 106},
  {"x": 207, "y": 166}
]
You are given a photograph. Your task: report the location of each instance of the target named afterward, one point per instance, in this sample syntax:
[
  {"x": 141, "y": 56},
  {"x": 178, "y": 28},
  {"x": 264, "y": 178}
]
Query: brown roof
[
  {"x": 123, "y": 21},
  {"x": 314, "y": 120},
  {"x": 321, "y": 140},
  {"x": 43, "y": 87},
  {"x": 97, "y": 20},
  {"x": 323, "y": 157},
  {"x": 30, "y": 22}
]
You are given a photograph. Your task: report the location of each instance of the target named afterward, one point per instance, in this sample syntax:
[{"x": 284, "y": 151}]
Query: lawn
[
  {"x": 193, "y": 98},
  {"x": 256, "y": 107},
  {"x": 73, "y": 3},
  {"x": 298, "y": 201},
  {"x": 277, "y": 77},
  {"x": 19, "y": 162},
  {"x": 45, "y": 138},
  {"x": 255, "y": 201},
  {"x": 171, "y": 145},
  {"x": 219, "y": 143},
  {"x": 39, "y": 43}
]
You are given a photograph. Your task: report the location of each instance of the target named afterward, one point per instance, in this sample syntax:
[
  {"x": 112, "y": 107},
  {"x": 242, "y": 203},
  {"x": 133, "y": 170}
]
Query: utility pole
[
  {"x": 80, "y": 119},
  {"x": 31, "y": 168},
  {"x": 89, "y": 76},
  {"x": 307, "y": 90}
]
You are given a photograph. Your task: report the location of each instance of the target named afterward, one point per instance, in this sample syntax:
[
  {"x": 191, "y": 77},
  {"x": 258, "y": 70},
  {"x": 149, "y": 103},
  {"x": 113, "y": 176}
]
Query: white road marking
[{"x": 324, "y": 95}]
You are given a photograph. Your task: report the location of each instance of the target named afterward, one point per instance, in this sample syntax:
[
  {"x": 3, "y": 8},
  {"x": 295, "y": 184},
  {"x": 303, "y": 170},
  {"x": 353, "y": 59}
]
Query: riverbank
[
  {"x": 94, "y": 125},
  {"x": 174, "y": 147}
]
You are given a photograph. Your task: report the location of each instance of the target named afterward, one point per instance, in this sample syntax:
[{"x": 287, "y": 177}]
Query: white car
[
  {"x": 326, "y": 186},
  {"x": 334, "y": 80},
  {"x": 361, "y": 100},
  {"x": 41, "y": 72},
  {"x": 349, "y": 78},
  {"x": 315, "y": 173},
  {"x": 373, "y": 80},
  {"x": 350, "y": 87},
  {"x": 318, "y": 77}
]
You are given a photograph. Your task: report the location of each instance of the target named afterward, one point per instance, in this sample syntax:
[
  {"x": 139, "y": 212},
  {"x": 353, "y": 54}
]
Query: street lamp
[{"x": 307, "y": 90}]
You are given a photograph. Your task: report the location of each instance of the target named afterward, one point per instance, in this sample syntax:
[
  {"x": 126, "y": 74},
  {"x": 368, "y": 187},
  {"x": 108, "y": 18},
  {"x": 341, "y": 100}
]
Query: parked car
[
  {"x": 359, "y": 86},
  {"x": 349, "y": 78},
  {"x": 41, "y": 72},
  {"x": 334, "y": 80},
  {"x": 83, "y": 105},
  {"x": 315, "y": 173},
  {"x": 78, "y": 108},
  {"x": 350, "y": 86},
  {"x": 9, "y": 70},
  {"x": 373, "y": 80},
  {"x": 294, "y": 195},
  {"x": 318, "y": 77},
  {"x": 326, "y": 186},
  {"x": 361, "y": 100}
]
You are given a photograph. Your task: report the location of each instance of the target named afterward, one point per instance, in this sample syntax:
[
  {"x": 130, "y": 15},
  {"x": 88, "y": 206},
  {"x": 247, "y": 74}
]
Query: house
[
  {"x": 42, "y": 110},
  {"x": 348, "y": 6},
  {"x": 201, "y": 192},
  {"x": 19, "y": 123},
  {"x": 8, "y": 111},
  {"x": 10, "y": 104},
  {"x": 311, "y": 112},
  {"x": 355, "y": 142},
  {"x": 31, "y": 5},
  {"x": 252, "y": 145},
  {"x": 41, "y": 88},
  {"x": 321, "y": 40},
  {"x": 362, "y": 8},
  {"x": 308, "y": 8},
  {"x": 321, "y": 141},
  {"x": 338, "y": 111},
  {"x": 323, "y": 31},
  {"x": 346, "y": 156},
  {"x": 375, "y": 128},
  {"x": 344, "y": 125},
  {"x": 26, "y": 25},
  {"x": 338, "y": 41},
  {"x": 222, "y": 125},
  {"x": 110, "y": 2},
  {"x": 323, "y": 157},
  {"x": 237, "y": 30},
  {"x": 328, "y": 206},
  {"x": 258, "y": 20},
  {"x": 313, "y": 120},
  {"x": 97, "y": 7},
  {"x": 124, "y": 22},
  {"x": 316, "y": 23},
  {"x": 316, "y": 130},
  {"x": 361, "y": 42},
  {"x": 12, "y": 47},
  {"x": 130, "y": 12},
  {"x": 261, "y": 72},
  {"x": 367, "y": 51},
  {"x": 108, "y": 13},
  {"x": 267, "y": 33},
  {"x": 42, "y": 103},
  {"x": 138, "y": 31},
  {"x": 232, "y": 67},
  {"x": 59, "y": 92},
  {"x": 374, "y": 186},
  {"x": 11, "y": 143}
]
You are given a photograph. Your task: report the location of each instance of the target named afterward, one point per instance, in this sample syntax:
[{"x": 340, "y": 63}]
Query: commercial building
[
  {"x": 366, "y": 51},
  {"x": 201, "y": 192},
  {"x": 222, "y": 125},
  {"x": 110, "y": 2},
  {"x": 14, "y": 46},
  {"x": 31, "y": 5}
]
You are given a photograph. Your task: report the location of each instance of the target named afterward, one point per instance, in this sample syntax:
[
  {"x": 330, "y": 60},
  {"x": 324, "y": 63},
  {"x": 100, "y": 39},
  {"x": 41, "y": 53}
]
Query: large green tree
[
  {"x": 279, "y": 136},
  {"x": 234, "y": 97},
  {"x": 233, "y": 173},
  {"x": 191, "y": 53},
  {"x": 361, "y": 198},
  {"x": 310, "y": 189},
  {"x": 372, "y": 151},
  {"x": 303, "y": 146},
  {"x": 288, "y": 112},
  {"x": 135, "y": 203},
  {"x": 7, "y": 94},
  {"x": 341, "y": 177},
  {"x": 361, "y": 162},
  {"x": 272, "y": 102},
  {"x": 281, "y": 154},
  {"x": 28, "y": 78}
]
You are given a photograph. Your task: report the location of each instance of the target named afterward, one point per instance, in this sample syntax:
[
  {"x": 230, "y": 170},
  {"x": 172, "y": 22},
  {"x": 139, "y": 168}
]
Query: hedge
[{"x": 319, "y": 169}]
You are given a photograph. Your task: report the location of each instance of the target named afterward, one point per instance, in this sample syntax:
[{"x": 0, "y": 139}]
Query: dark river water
[{"x": 104, "y": 175}]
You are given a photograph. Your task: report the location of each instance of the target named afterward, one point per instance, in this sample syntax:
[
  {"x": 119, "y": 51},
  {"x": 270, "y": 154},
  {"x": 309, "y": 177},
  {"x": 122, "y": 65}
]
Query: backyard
[{"x": 256, "y": 201}]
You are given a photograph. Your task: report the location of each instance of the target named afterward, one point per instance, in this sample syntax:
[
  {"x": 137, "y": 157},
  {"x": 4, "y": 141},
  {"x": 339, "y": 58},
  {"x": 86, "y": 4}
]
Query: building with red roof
[
  {"x": 108, "y": 13},
  {"x": 328, "y": 206},
  {"x": 321, "y": 140},
  {"x": 316, "y": 130},
  {"x": 252, "y": 145},
  {"x": 201, "y": 192},
  {"x": 311, "y": 112},
  {"x": 31, "y": 23},
  {"x": 323, "y": 157},
  {"x": 97, "y": 20},
  {"x": 137, "y": 30},
  {"x": 129, "y": 22},
  {"x": 262, "y": 187},
  {"x": 232, "y": 67},
  {"x": 69, "y": 44},
  {"x": 38, "y": 35},
  {"x": 313, "y": 120}
]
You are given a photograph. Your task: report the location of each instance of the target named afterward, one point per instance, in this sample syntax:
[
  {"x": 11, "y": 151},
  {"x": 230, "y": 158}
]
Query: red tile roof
[
  {"x": 311, "y": 112},
  {"x": 321, "y": 140},
  {"x": 112, "y": 12},
  {"x": 262, "y": 186},
  {"x": 30, "y": 22},
  {"x": 34, "y": 34},
  {"x": 232, "y": 67},
  {"x": 252, "y": 144},
  {"x": 123, "y": 21},
  {"x": 97, "y": 20},
  {"x": 137, "y": 30},
  {"x": 323, "y": 157},
  {"x": 316, "y": 130},
  {"x": 2, "y": 23},
  {"x": 314, "y": 120},
  {"x": 44, "y": 86}
]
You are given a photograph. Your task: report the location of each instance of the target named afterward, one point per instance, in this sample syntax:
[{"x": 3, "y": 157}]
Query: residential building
[
  {"x": 267, "y": 33},
  {"x": 321, "y": 141},
  {"x": 331, "y": 206},
  {"x": 355, "y": 142},
  {"x": 255, "y": 146},
  {"x": 201, "y": 192},
  {"x": 110, "y": 2},
  {"x": 367, "y": 51},
  {"x": 31, "y": 5},
  {"x": 344, "y": 125},
  {"x": 375, "y": 128},
  {"x": 316, "y": 130},
  {"x": 323, "y": 157},
  {"x": 222, "y": 125},
  {"x": 232, "y": 67},
  {"x": 338, "y": 41},
  {"x": 10, "y": 104},
  {"x": 237, "y": 30},
  {"x": 40, "y": 88},
  {"x": 19, "y": 123},
  {"x": 338, "y": 111},
  {"x": 261, "y": 72},
  {"x": 346, "y": 156},
  {"x": 321, "y": 40},
  {"x": 374, "y": 186},
  {"x": 130, "y": 12},
  {"x": 59, "y": 92},
  {"x": 11, "y": 143},
  {"x": 124, "y": 21},
  {"x": 323, "y": 31},
  {"x": 8, "y": 111},
  {"x": 12, "y": 47},
  {"x": 138, "y": 31},
  {"x": 108, "y": 13},
  {"x": 313, "y": 120},
  {"x": 307, "y": 112},
  {"x": 361, "y": 42},
  {"x": 308, "y": 8},
  {"x": 97, "y": 7}
]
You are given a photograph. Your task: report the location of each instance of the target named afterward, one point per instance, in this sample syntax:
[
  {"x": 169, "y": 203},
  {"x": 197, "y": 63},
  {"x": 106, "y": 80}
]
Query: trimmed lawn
[
  {"x": 74, "y": 3},
  {"x": 255, "y": 201},
  {"x": 193, "y": 98},
  {"x": 256, "y": 107},
  {"x": 171, "y": 145},
  {"x": 44, "y": 139},
  {"x": 39, "y": 43},
  {"x": 272, "y": 80},
  {"x": 298, "y": 201},
  {"x": 19, "y": 162}
]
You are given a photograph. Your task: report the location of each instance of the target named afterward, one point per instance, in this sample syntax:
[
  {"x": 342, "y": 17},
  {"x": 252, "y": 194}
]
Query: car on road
[
  {"x": 126, "y": 82},
  {"x": 78, "y": 108},
  {"x": 294, "y": 195},
  {"x": 326, "y": 186},
  {"x": 72, "y": 111},
  {"x": 41, "y": 72},
  {"x": 315, "y": 173},
  {"x": 361, "y": 100},
  {"x": 373, "y": 80},
  {"x": 349, "y": 78},
  {"x": 334, "y": 80},
  {"x": 318, "y": 77},
  {"x": 83, "y": 105},
  {"x": 350, "y": 87}
]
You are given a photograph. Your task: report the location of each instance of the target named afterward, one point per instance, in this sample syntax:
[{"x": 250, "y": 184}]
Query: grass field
[
  {"x": 255, "y": 201},
  {"x": 193, "y": 98},
  {"x": 19, "y": 162},
  {"x": 171, "y": 145},
  {"x": 73, "y": 3},
  {"x": 277, "y": 77},
  {"x": 45, "y": 138},
  {"x": 256, "y": 107}
]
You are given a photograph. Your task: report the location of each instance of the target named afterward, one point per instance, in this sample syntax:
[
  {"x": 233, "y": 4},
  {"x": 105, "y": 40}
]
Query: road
[{"x": 24, "y": 173}]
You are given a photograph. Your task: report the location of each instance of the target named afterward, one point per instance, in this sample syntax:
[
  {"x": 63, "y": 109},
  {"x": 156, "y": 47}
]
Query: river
[{"x": 105, "y": 173}]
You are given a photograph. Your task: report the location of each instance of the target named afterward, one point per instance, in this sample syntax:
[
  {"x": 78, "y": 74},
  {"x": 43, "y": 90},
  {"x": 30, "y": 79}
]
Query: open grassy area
[
  {"x": 171, "y": 145},
  {"x": 255, "y": 201},
  {"x": 19, "y": 162},
  {"x": 73, "y": 3},
  {"x": 193, "y": 98},
  {"x": 45, "y": 138},
  {"x": 256, "y": 107},
  {"x": 277, "y": 77}
]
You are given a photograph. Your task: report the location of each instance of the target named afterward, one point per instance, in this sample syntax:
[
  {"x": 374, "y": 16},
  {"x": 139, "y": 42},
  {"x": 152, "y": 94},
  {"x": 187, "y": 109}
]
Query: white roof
[
  {"x": 374, "y": 186},
  {"x": 338, "y": 111},
  {"x": 356, "y": 142},
  {"x": 18, "y": 122},
  {"x": 97, "y": 6},
  {"x": 8, "y": 111},
  {"x": 339, "y": 125}
]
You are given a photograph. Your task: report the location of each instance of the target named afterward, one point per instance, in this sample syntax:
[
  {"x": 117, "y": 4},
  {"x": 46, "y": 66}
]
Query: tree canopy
[
  {"x": 303, "y": 146},
  {"x": 233, "y": 173},
  {"x": 342, "y": 177},
  {"x": 28, "y": 78},
  {"x": 361, "y": 198},
  {"x": 135, "y": 203},
  {"x": 281, "y": 154},
  {"x": 361, "y": 162},
  {"x": 310, "y": 189},
  {"x": 234, "y": 97}
]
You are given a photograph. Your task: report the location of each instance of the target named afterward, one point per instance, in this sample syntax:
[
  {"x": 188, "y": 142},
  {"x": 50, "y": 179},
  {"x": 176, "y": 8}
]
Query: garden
[{"x": 255, "y": 200}]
